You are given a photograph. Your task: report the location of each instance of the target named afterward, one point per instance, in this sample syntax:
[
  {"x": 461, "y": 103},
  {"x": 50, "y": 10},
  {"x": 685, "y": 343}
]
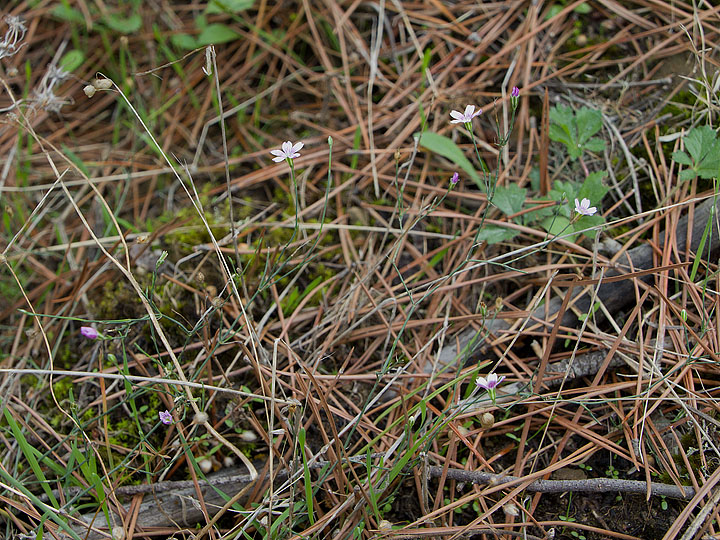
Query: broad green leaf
[
  {"x": 66, "y": 13},
  {"x": 583, "y": 9},
  {"x": 124, "y": 25},
  {"x": 681, "y": 157},
  {"x": 509, "y": 199},
  {"x": 588, "y": 122},
  {"x": 556, "y": 225},
  {"x": 216, "y": 33},
  {"x": 228, "y": 6},
  {"x": 575, "y": 129},
  {"x": 589, "y": 221},
  {"x": 594, "y": 145},
  {"x": 184, "y": 41},
  {"x": 492, "y": 234},
  {"x": 704, "y": 149},
  {"x": 72, "y": 60},
  {"x": 447, "y": 148},
  {"x": 593, "y": 188}
]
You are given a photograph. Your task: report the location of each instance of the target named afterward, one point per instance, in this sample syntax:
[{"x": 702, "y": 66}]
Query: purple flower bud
[
  {"x": 455, "y": 179},
  {"x": 515, "y": 92},
  {"x": 88, "y": 332}
]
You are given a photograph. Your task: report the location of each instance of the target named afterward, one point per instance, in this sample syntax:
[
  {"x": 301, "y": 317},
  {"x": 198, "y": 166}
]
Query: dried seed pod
[
  {"x": 487, "y": 420},
  {"x": 200, "y": 417},
  {"x": 103, "y": 84},
  {"x": 89, "y": 90},
  {"x": 511, "y": 509}
]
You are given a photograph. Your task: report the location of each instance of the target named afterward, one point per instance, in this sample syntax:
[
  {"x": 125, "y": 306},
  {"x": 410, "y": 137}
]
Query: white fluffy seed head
[
  {"x": 248, "y": 436},
  {"x": 201, "y": 417}
]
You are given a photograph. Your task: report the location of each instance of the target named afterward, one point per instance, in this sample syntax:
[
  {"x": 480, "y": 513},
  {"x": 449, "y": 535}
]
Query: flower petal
[
  {"x": 296, "y": 147},
  {"x": 469, "y": 111},
  {"x": 279, "y": 159},
  {"x": 287, "y": 147},
  {"x": 456, "y": 115}
]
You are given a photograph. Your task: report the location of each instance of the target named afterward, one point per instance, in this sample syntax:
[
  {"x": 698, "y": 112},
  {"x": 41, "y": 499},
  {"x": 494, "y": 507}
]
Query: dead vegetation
[{"x": 317, "y": 340}]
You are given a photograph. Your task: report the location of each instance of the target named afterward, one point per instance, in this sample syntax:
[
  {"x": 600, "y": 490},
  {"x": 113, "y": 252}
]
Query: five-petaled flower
[
  {"x": 583, "y": 207},
  {"x": 288, "y": 151},
  {"x": 455, "y": 179},
  {"x": 165, "y": 417},
  {"x": 465, "y": 117},
  {"x": 88, "y": 332},
  {"x": 490, "y": 383}
]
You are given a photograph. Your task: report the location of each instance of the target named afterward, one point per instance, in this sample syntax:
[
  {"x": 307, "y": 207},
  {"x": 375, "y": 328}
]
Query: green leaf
[
  {"x": 575, "y": 129},
  {"x": 588, "y": 221},
  {"x": 124, "y": 25},
  {"x": 509, "y": 199},
  {"x": 588, "y": 122},
  {"x": 228, "y": 6},
  {"x": 583, "y": 9},
  {"x": 447, "y": 148},
  {"x": 184, "y": 41},
  {"x": 216, "y": 33},
  {"x": 681, "y": 157},
  {"x": 492, "y": 234},
  {"x": 593, "y": 188},
  {"x": 71, "y": 60},
  {"x": 704, "y": 149},
  {"x": 557, "y": 225},
  {"x": 66, "y": 13}
]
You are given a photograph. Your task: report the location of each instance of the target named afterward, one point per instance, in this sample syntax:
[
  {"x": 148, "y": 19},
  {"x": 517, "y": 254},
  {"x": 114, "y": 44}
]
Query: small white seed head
[
  {"x": 248, "y": 436},
  {"x": 89, "y": 90},
  {"x": 228, "y": 462},
  {"x": 462, "y": 430},
  {"x": 205, "y": 465},
  {"x": 511, "y": 509},
  {"x": 118, "y": 532},
  {"x": 201, "y": 417}
]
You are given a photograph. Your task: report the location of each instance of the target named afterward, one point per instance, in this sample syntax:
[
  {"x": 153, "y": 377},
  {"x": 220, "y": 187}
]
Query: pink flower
[
  {"x": 88, "y": 332},
  {"x": 288, "y": 151},
  {"x": 515, "y": 92},
  {"x": 455, "y": 179},
  {"x": 583, "y": 207},
  {"x": 490, "y": 383},
  {"x": 466, "y": 117},
  {"x": 165, "y": 417}
]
